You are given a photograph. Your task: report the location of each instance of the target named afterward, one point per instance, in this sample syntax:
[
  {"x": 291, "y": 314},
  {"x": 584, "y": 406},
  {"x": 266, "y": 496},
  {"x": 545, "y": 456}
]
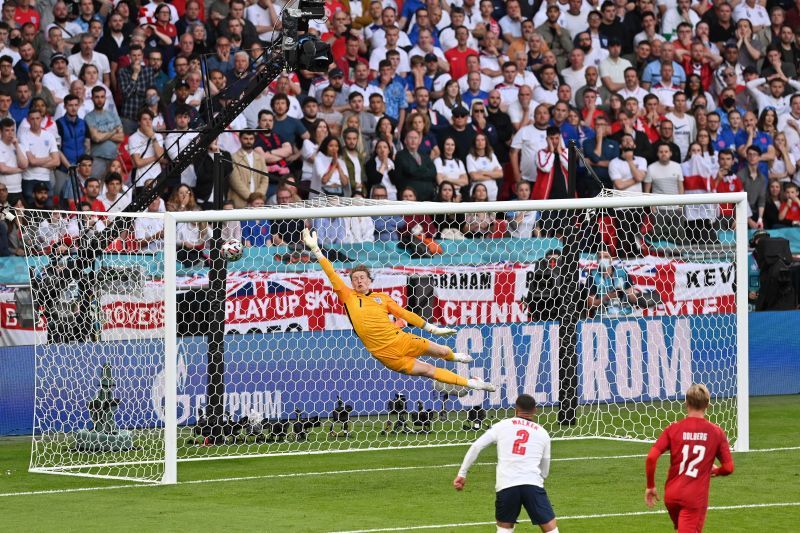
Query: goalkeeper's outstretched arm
[{"x": 310, "y": 240}]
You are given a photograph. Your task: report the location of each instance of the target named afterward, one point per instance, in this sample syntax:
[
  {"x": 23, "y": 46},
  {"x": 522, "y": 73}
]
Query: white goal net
[{"x": 606, "y": 315}]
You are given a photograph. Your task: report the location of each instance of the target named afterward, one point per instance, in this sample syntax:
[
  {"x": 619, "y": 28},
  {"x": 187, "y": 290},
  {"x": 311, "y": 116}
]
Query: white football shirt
[{"x": 523, "y": 453}]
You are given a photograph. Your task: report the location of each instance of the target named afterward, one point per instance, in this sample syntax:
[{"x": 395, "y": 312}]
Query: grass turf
[{"x": 404, "y": 488}]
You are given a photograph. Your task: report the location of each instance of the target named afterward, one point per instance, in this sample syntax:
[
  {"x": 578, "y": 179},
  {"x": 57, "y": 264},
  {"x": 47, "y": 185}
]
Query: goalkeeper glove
[
  {"x": 310, "y": 240},
  {"x": 436, "y": 330}
]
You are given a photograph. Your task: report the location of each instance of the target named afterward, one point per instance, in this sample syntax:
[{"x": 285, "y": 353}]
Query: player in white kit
[{"x": 523, "y": 461}]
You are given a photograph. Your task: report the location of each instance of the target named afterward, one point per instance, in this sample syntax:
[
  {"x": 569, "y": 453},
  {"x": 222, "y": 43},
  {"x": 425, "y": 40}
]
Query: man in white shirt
[
  {"x": 666, "y": 177},
  {"x": 574, "y": 19},
  {"x": 264, "y": 14},
  {"x": 523, "y": 463},
  {"x": 377, "y": 37},
  {"x": 58, "y": 79},
  {"x": 522, "y": 111},
  {"x": 87, "y": 55},
  {"x": 379, "y": 54},
  {"x": 789, "y": 123},
  {"x": 112, "y": 197},
  {"x": 632, "y": 89},
  {"x": 527, "y": 142},
  {"x": 754, "y": 12},
  {"x": 627, "y": 172},
  {"x": 547, "y": 92},
  {"x": 149, "y": 232},
  {"x": 612, "y": 68},
  {"x": 775, "y": 98},
  {"x": 574, "y": 75},
  {"x": 146, "y": 148},
  {"x": 177, "y": 141},
  {"x": 13, "y": 160},
  {"x": 41, "y": 150},
  {"x": 684, "y": 128}
]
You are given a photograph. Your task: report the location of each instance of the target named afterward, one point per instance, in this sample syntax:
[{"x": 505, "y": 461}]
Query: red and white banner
[{"x": 263, "y": 302}]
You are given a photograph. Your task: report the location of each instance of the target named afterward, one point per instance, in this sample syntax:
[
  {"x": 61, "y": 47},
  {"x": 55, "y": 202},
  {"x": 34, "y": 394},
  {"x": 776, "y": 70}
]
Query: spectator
[
  {"x": 353, "y": 157},
  {"x": 448, "y": 226},
  {"x": 245, "y": 181},
  {"x": 41, "y": 150},
  {"x": 754, "y": 182},
  {"x": 330, "y": 171},
  {"x": 112, "y": 197},
  {"x": 665, "y": 137},
  {"x": 204, "y": 169},
  {"x": 776, "y": 98},
  {"x": 181, "y": 65},
  {"x": 380, "y": 171},
  {"x": 13, "y": 161},
  {"x": 58, "y": 79},
  {"x": 790, "y": 209},
  {"x": 74, "y": 135},
  {"x": 149, "y": 232},
  {"x": 358, "y": 229},
  {"x": 726, "y": 180},
  {"x": 784, "y": 166},
  {"x": 386, "y": 226},
  {"x": 288, "y": 128},
  {"x": 414, "y": 169},
  {"x": 70, "y": 197},
  {"x": 419, "y": 123},
  {"x": 177, "y": 141},
  {"x": 665, "y": 176},
  {"x": 627, "y": 172},
  {"x": 460, "y": 132},
  {"x": 20, "y": 107},
  {"x": 8, "y": 79},
  {"x": 772, "y": 207},
  {"x": 684, "y": 127},
  {"x": 287, "y": 232},
  {"x": 481, "y": 224},
  {"x": 133, "y": 83},
  {"x": 146, "y": 148},
  {"x": 105, "y": 132},
  {"x": 483, "y": 166},
  {"x": 191, "y": 236},
  {"x": 601, "y": 150},
  {"x": 522, "y": 110},
  {"x": 522, "y": 224},
  {"x": 527, "y": 143},
  {"x": 87, "y": 54},
  {"x": 256, "y": 233},
  {"x": 609, "y": 288},
  {"x": 449, "y": 168},
  {"x": 393, "y": 92},
  {"x": 309, "y": 152}
]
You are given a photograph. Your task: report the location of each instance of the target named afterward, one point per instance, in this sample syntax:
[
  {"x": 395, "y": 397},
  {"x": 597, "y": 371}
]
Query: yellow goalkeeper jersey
[{"x": 369, "y": 313}]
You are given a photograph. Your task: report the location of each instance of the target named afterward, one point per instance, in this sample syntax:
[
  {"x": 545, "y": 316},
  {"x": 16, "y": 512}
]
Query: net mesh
[{"x": 605, "y": 316}]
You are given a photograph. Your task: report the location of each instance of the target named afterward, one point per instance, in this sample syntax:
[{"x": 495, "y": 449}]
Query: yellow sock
[
  {"x": 445, "y": 376},
  {"x": 450, "y": 355}
]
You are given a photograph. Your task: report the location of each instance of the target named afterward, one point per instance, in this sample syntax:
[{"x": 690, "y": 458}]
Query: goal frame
[{"x": 428, "y": 208}]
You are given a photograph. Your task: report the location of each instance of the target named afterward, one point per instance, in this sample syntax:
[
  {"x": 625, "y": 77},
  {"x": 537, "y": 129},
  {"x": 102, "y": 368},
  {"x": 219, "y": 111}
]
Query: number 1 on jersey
[
  {"x": 699, "y": 452},
  {"x": 522, "y": 438}
]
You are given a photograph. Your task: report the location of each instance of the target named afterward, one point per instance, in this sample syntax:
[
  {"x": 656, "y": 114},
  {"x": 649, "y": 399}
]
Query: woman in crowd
[
  {"x": 191, "y": 236},
  {"x": 615, "y": 107},
  {"x": 768, "y": 122},
  {"x": 309, "y": 150},
  {"x": 385, "y": 130},
  {"x": 414, "y": 226},
  {"x": 153, "y": 102},
  {"x": 380, "y": 169},
  {"x": 479, "y": 225},
  {"x": 448, "y": 226},
  {"x": 522, "y": 224},
  {"x": 694, "y": 90},
  {"x": 584, "y": 132},
  {"x": 90, "y": 77},
  {"x": 772, "y": 207},
  {"x": 707, "y": 150},
  {"x": 483, "y": 166},
  {"x": 784, "y": 166},
  {"x": 419, "y": 122},
  {"x": 448, "y": 168},
  {"x": 359, "y": 229},
  {"x": 449, "y": 101},
  {"x": 330, "y": 173}
]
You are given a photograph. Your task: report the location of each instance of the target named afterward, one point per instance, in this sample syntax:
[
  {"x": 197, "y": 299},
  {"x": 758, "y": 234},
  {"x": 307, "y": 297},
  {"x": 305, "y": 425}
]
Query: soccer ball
[
  {"x": 232, "y": 250},
  {"x": 450, "y": 390}
]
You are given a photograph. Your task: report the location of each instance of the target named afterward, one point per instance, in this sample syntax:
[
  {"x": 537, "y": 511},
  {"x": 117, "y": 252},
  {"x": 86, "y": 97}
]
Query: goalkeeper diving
[{"x": 397, "y": 350}]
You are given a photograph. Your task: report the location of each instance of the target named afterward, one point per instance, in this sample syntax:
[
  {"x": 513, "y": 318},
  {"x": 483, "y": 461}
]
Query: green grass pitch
[{"x": 594, "y": 486}]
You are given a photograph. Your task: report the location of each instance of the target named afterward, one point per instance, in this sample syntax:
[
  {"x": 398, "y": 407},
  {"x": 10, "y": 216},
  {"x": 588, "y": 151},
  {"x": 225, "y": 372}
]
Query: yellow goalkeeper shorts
[{"x": 402, "y": 352}]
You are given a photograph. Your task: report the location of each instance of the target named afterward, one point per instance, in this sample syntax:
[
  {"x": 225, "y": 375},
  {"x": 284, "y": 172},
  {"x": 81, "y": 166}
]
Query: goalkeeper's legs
[
  {"x": 441, "y": 351},
  {"x": 451, "y": 378}
]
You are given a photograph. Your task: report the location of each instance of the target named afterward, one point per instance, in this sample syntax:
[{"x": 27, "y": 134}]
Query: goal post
[{"x": 298, "y": 380}]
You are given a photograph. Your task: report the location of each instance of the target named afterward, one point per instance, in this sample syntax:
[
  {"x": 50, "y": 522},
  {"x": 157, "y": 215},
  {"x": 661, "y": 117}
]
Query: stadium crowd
[{"x": 444, "y": 100}]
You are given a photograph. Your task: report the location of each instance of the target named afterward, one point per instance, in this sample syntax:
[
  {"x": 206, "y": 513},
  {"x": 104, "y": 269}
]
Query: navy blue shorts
[{"x": 509, "y": 502}]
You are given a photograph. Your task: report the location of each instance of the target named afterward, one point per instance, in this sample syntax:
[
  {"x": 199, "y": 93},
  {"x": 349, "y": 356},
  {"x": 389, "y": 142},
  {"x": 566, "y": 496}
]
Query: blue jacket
[{"x": 72, "y": 135}]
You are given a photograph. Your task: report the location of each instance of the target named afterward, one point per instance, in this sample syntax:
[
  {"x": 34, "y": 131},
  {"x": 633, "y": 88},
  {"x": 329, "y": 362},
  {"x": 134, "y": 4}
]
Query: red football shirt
[{"x": 693, "y": 444}]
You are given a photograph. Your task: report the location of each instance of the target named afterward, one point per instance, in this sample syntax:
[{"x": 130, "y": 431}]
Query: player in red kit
[{"x": 693, "y": 443}]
